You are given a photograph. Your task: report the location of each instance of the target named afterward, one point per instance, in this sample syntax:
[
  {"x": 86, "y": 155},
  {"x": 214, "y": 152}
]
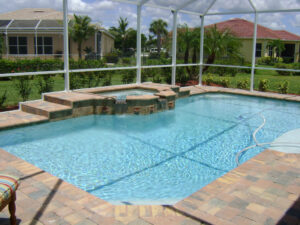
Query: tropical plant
[
  {"x": 80, "y": 30},
  {"x": 3, "y": 98},
  {"x": 45, "y": 83},
  {"x": 277, "y": 46},
  {"x": 283, "y": 66},
  {"x": 121, "y": 33},
  {"x": 22, "y": 85},
  {"x": 220, "y": 43},
  {"x": 263, "y": 85},
  {"x": 283, "y": 87},
  {"x": 159, "y": 29},
  {"x": 242, "y": 84}
]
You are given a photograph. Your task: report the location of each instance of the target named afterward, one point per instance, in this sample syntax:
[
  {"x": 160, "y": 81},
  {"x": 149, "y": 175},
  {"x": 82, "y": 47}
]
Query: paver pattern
[{"x": 264, "y": 190}]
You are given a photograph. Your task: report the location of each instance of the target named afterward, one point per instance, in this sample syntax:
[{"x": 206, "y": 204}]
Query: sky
[{"x": 107, "y": 12}]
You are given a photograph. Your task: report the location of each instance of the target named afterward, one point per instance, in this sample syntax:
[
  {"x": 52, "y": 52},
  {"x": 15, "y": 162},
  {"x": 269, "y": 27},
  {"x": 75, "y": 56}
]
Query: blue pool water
[
  {"x": 130, "y": 92},
  {"x": 154, "y": 159}
]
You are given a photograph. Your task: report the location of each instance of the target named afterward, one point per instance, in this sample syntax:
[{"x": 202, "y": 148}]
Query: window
[
  {"x": 258, "y": 50},
  {"x": 17, "y": 45},
  {"x": 44, "y": 45},
  {"x": 270, "y": 51}
]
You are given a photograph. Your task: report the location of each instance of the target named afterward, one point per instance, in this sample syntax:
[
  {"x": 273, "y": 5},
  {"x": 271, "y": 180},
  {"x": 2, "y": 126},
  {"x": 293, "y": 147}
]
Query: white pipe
[
  {"x": 257, "y": 144},
  {"x": 174, "y": 43},
  {"x": 251, "y": 12},
  {"x": 138, "y": 47},
  {"x": 66, "y": 46},
  {"x": 6, "y": 38},
  {"x": 31, "y": 73},
  {"x": 253, "y": 53},
  {"x": 201, "y": 50},
  {"x": 35, "y": 34}
]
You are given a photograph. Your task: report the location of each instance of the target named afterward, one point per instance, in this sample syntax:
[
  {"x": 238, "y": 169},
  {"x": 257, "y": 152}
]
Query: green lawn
[
  {"x": 274, "y": 80},
  {"x": 116, "y": 78}
]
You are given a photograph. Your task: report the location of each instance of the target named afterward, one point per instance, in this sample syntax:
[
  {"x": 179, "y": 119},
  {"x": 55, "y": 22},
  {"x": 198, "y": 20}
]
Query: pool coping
[{"x": 259, "y": 191}]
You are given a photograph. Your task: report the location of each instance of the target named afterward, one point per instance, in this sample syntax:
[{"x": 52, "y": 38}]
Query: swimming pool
[{"x": 155, "y": 159}]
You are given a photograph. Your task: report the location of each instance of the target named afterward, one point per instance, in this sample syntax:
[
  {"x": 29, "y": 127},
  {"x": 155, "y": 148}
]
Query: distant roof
[
  {"x": 33, "y": 14},
  {"x": 40, "y": 19},
  {"x": 244, "y": 29}
]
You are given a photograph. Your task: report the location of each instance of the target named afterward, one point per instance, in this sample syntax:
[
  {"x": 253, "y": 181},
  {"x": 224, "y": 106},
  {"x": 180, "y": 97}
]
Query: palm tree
[
  {"x": 159, "y": 28},
  {"x": 185, "y": 38},
  {"x": 80, "y": 30},
  {"x": 276, "y": 45},
  {"x": 121, "y": 32},
  {"x": 218, "y": 43}
]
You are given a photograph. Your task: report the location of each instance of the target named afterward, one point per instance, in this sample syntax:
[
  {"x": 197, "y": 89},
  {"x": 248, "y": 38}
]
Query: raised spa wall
[{"x": 64, "y": 105}]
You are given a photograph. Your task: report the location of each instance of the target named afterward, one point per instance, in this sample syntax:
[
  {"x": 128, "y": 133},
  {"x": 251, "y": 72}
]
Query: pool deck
[{"x": 264, "y": 190}]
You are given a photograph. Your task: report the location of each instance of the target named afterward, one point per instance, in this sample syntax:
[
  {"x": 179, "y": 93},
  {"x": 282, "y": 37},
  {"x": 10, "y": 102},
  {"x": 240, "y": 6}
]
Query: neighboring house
[
  {"x": 39, "y": 32},
  {"x": 244, "y": 29}
]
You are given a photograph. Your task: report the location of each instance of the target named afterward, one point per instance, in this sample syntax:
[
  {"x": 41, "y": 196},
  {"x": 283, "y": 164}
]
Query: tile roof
[
  {"x": 33, "y": 14},
  {"x": 244, "y": 29}
]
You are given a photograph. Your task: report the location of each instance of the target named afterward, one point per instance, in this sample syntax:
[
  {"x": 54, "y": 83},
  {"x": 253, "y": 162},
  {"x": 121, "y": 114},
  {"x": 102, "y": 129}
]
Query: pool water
[
  {"x": 155, "y": 159},
  {"x": 130, "y": 92}
]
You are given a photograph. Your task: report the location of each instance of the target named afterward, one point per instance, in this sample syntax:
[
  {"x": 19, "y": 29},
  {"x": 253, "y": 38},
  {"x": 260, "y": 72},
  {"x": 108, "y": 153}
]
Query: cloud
[
  {"x": 278, "y": 4},
  {"x": 272, "y": 20}
]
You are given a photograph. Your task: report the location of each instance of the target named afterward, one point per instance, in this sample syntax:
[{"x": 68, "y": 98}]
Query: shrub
[
  {"x": 209, "y": 79},
  {"x": 221, "y": 71},
  {"x": 224, "y": 83},
  {"x": 45, "y": 83},
  {"x": 168, "y": 78},
  {"x": 181, "y": 76},
  {"x": 112, "y": 57},
  {"x": 23, "y": 87},
  {"x": 3, "y": 98},
  {"x": 243, "y": 84},
  {"x": 283, "y": 87},
  {"x": 263, "y": 85},
  {"x": 128, "y": 76},
  {"x": 283, "y": 66},
  {"x": 296, "y": 66},
  {"x": 157, "y": 79},
  {"x": 76, "y": 81},
  {"x": 126, "y": 60},
  {"x": 269, "y": 60},
  {"x": 232, "y": 71},
  {"x": 246, "y": 70},
  {"x": 92, "y": 79}
]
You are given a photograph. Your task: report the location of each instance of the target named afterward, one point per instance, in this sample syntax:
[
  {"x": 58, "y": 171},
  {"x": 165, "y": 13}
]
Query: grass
[
  {"x": 294, "y": 84},
  {"x": 272, "y": 76}
]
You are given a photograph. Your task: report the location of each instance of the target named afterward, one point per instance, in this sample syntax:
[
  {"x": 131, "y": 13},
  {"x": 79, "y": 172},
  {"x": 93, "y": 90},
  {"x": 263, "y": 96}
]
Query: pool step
[
  {"x": 71, "y": 99},
  {"x": 18, "y": 118},
  {"x": 48, "y": 109}
]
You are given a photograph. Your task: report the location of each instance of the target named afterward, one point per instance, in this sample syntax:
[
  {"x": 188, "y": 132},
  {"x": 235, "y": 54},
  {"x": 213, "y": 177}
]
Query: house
[
  {"x": 244, "y": 29},
  {"x": 38, "y": 32}
]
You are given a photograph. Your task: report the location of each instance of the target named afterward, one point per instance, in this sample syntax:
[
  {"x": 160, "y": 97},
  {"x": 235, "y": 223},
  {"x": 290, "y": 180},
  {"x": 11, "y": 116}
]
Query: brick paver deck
[{"x": 264, "y": 190}]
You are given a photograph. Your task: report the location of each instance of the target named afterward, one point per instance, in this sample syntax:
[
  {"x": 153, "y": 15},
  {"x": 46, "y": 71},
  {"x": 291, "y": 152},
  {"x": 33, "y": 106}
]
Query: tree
[
  {"x": 1, "y": 46},
  {"x": 132, "y": 37},
  {"x": 159, "y": 28},
  {"x": 80, "y": 30},
  {"x": 189, "y": 43},
  {"x": 121, "y": 33},
  {"x": 276, "y": 45},
  {"x": 218, "y": 43},
  {"x": 185, "y": 37}
]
